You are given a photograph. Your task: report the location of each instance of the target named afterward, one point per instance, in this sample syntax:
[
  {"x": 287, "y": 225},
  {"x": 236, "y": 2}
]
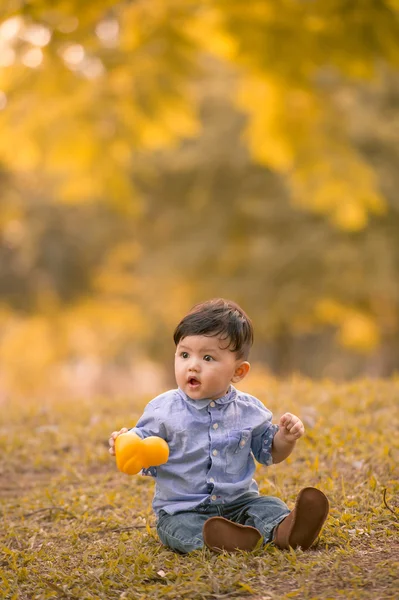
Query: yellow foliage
[
  {"x": 80, "y": 130},
  {"x": 72, "y": 138},
  {"x": 28, "y": 156},
  {"x": 103, "y": 327},
  {"x": 121, "y": 152},
  {"x": 209, "y": 33},
  {"x": 330, "y": 311},
  {"x": 64, "y": 116},
  {"x": 78, "y": 187},
  {"x": 73, "y": 149},
  {"x": 292, "y": 130},
  {"x": 33, "y": 348},
  {"x": 173, "y": 122},
  {"x": 356, "y": 330},
  {"x": 27, "y": 351},
  {"x": 339, "y": 186},
  {"x": 350, "y": 216},
  {"x": 359, "y": 332},
  {"x": 116, "y": 277},
  {"x": 263, "y": 99},
  {"x": 288, "y": 132}
]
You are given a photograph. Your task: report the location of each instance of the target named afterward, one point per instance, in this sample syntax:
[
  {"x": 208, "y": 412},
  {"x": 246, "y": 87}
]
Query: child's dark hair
[{"x": 219, "y": 317}]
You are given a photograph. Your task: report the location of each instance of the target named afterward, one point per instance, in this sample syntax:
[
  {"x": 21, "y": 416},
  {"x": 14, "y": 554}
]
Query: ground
[{"x": 76, "y": 528}]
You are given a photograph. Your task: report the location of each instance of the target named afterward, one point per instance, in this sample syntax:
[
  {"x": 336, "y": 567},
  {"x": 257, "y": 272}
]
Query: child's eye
[
  {"x": 208, "y": 358},
  {"x": 184, "y": 354}
]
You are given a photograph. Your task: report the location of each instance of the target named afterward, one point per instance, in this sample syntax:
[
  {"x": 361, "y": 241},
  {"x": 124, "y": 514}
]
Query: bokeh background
[{"x": 156, "y": 153}]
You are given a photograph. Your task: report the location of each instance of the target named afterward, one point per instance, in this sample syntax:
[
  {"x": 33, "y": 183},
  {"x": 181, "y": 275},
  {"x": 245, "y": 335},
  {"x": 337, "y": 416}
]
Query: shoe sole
[
  {"x": 220, "y": 535},
  {"x": 311, "y": 511}
]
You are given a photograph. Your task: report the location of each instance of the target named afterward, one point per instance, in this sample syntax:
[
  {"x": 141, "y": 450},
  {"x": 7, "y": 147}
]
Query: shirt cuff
[
  {"x": 150, "y": 472},
  {"x": 267, "y": 443}
]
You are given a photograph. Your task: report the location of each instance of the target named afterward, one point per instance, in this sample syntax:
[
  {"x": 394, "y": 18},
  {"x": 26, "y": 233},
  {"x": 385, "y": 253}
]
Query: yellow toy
[{"x": 133, "y": 454}]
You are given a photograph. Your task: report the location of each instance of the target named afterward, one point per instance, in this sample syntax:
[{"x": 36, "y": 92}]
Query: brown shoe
[
  {"x": 303, "y": 524},
  {"x": 221, "y": 534}
]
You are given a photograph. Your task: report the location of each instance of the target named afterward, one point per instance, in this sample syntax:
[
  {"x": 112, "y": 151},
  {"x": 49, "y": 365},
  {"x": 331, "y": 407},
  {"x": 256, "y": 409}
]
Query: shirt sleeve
[
  {"x": 149, "y": 424},
  {"x": 262, "y": 439}
]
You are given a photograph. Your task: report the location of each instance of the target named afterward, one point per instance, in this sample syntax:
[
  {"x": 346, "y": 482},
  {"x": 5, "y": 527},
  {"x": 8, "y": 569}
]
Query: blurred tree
[
  {"x": 84, "y": 87},
  {"x": 239, "y": 235},
  {"x": 153, "y": 154},
  {"x": 292, "y": 55}
]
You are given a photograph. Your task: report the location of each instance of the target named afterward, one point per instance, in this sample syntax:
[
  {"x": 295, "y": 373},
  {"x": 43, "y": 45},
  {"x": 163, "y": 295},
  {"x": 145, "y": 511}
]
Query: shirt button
[
  {"x": 215, "y": 426},
  {"x": 212, "y": 404},
  {"x": 215, "y": 453},
  {"x": 211, "y": 480},
  {"x": 213, "y": 497}
]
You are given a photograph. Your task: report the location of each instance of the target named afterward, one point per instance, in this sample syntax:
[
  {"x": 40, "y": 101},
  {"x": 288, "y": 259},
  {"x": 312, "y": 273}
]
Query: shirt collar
[{"x": 198, "y": 404}]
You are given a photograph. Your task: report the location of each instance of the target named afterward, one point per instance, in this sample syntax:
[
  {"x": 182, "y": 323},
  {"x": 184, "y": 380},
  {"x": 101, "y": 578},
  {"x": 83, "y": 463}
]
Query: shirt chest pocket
[{"x": 238, "y": 449}]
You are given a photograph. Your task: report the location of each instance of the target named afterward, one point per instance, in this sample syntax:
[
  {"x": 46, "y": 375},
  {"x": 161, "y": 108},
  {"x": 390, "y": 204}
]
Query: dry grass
[{"x": 75, "y": 528}]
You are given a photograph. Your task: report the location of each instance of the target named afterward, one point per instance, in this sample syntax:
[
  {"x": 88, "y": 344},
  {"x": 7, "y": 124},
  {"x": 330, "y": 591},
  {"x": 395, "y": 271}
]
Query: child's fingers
[
  {"x": 298, "y": 429},
  {"x": 115, "y": 434},
  {"x": 292, "y": 424},
  {"x": 112, "y": 438},
  {"x": 285, "y": 419},
  {"x": 123, "y": 430},
  {"x": 111, "y": 443}
]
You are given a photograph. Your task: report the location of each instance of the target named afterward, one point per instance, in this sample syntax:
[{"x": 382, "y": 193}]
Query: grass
[{"x": 75, "y": 528}]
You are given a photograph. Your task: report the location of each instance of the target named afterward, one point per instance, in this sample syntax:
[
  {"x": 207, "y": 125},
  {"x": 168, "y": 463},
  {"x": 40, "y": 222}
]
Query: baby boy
[{"x": 205, "y": 493}]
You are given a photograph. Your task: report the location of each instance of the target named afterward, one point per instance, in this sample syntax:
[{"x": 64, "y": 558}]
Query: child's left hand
[{"x": 291, "y": 427}]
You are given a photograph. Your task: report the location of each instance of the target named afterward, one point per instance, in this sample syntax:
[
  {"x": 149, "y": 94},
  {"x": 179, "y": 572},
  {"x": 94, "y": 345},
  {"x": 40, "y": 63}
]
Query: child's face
[{"x": 204, "y": 367}]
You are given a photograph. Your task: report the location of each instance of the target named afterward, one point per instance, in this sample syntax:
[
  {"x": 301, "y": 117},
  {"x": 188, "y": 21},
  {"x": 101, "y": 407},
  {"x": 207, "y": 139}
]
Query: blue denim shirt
[{"x": 212, "y": 446}]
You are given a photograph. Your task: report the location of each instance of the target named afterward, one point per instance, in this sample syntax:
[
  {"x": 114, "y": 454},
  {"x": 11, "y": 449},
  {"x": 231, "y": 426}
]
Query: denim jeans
[{"x": 183, "y": 530}]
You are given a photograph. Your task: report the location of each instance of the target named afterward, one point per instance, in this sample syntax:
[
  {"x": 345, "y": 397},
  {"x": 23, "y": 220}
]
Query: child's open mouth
[{"x": 193, "y": 382}]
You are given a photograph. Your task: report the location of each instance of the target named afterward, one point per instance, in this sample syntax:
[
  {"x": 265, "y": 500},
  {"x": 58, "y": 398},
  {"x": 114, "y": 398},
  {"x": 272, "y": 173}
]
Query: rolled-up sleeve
[
  {"x": 262, "y": 441},
  {"x": 149, "y": 424}
]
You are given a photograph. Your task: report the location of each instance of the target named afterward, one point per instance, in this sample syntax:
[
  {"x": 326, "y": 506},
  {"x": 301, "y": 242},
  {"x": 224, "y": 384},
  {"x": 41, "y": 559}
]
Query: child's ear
[{"x": 241, "y": 371}]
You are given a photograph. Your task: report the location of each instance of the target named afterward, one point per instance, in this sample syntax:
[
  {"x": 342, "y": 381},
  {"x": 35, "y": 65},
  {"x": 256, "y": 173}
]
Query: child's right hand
[{"x": 113, "y": 437}]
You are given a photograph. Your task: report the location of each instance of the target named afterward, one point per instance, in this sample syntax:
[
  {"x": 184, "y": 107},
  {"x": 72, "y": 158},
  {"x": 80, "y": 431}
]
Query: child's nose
[{"x": 193, "y": 366}]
